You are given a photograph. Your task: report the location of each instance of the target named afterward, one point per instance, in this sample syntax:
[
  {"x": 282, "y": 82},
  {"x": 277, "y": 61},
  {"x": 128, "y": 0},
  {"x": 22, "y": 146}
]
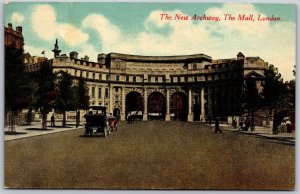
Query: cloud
[
  {"x": 36, "y": 51},
  {"x": 273, "y": 42},
  {"x": 17, "y": 18},
  {"x": 45, "y": 25}
]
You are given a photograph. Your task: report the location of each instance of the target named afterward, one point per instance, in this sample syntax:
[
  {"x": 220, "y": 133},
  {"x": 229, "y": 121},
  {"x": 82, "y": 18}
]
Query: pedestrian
[
  {"x": 288, "y": 126},
  {"x": 247, "y": 124},
  {"x": 234, "y": 123},
  {"x": 52, "y": 120},
  {"x": 241, "y": 125},
  {"x": 217, "y": 126},
  {"x": 77, "y": 118}
]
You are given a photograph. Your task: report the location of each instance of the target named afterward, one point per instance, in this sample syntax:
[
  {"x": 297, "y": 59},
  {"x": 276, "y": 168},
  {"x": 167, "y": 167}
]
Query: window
[
  {"x": 117, "y": 89},
  {"x": 75, "y": 72},
  {"x": 107, "y": 77},
  {"x": 134, "y": 79},
  {"x": 87, "y": 74},
  {"x": 117, "y": 78},
  {"x": 80, "y": 73},
  {"x": 156, "y": 79},
  {"x": 100, "y": 76},
  {"x": 93, "y": 92},
  {"x": 127, "y": 78},
  {"x": 194, "y": 66},
  {"x": 106, "y": 93},
  {"x": 152, "y": 79},
  {"x": 94, "y": 75},
  {"x": 99, "y": 92}
]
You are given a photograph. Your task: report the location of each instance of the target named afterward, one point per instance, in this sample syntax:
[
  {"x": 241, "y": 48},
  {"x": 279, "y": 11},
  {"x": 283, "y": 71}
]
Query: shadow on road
[
  {"x": 13, "y": 133},
  {"x": 39, "y": 129}
]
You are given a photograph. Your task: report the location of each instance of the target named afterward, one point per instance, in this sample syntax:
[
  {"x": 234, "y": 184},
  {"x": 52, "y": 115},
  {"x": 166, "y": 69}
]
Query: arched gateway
[
  {"x": 156, "y": 106},
  {"x": 179, "y": 106},
  {"x": 134, "y": 104}
]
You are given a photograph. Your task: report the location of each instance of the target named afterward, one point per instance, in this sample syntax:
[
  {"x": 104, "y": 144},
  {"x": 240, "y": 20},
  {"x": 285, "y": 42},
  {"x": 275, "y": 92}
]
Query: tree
[
  {"x": 251, "y": 99},
  {"x": 274, "y": 92},
  {"x": 81, "y": 93},
  {"x": 18, "y": 88},
  {"x": 66, "y": 100},
  {"x": 45, "y": 90}
]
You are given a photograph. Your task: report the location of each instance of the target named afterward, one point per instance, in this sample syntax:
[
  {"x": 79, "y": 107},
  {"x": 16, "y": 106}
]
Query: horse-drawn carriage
[{"x": 98, "y": 122}]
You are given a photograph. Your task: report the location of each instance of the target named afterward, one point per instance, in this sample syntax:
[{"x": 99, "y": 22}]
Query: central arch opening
[
  {"x": 134, "y": 105},
  {"x": 156, "y": 106},
  {"x": 179, "y": 106}
]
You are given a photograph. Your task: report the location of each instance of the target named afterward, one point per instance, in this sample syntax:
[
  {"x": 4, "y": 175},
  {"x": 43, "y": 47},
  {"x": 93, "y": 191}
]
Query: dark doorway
[
  {"x": 179, "y": 106},
  {"x": 134, "y": 105},
  {"x": 156, "y": 106}
]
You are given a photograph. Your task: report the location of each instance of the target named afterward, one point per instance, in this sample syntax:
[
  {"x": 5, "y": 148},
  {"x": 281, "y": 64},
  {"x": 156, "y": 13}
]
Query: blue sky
[{"x": 136, "y": 28}]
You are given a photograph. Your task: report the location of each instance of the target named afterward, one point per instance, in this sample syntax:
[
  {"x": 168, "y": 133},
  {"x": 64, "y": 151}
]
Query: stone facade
[{"x": 187, "y": 87}]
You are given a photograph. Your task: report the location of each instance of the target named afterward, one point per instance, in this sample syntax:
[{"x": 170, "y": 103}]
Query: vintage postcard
[{"x": 143, "y": 95}]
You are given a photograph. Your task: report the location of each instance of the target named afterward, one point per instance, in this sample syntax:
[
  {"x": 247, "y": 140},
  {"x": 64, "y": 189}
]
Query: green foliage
[
  {"x": 66, "y": 100},
  {"x": 274, "y": 90},
  {"x": 45, "y": 87},
  {"x": 251, "y": 98},
  {"x": 81, "y": 93},
  {"x": 18, "y": 87}
]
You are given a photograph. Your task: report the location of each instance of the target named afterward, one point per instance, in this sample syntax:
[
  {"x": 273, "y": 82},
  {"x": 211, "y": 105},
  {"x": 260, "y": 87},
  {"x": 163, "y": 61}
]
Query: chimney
[
  {"x": 86, "y": 58},
  {"x": 240, "y": 56},
  {"x": 10, "y": 25},
  {"x": 73, "y": 55},
  {"x": 19, "y": 29}
]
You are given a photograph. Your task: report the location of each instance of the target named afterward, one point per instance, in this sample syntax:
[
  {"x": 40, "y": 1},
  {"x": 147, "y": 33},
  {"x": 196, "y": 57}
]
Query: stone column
[
  {"x": 123, "y": 101},
  {"x": 96, "y": 94},
  {"x": 103, "y": 95},
  {"x": 168, "y": 106},
  {"x": 145, "y": 114},
  {"x": 202, "y": 103},
  {"x": 190, "y": 114}
]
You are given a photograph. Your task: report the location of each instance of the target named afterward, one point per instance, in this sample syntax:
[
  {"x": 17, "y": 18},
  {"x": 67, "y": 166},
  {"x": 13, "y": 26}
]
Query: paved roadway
[{"x": 152, "y": 154}]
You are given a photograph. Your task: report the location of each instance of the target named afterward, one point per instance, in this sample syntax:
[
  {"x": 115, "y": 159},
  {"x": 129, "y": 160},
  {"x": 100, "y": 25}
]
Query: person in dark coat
[
  {"x": 234, "y": 123},
  {"x": 77, "y": 118},
  {"x": 52, "y": 120},
  {"x": 217, "y": 126}
]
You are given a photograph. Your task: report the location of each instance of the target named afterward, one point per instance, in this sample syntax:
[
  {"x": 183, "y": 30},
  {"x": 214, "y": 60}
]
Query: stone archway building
[{"x": 212, "y": 87}]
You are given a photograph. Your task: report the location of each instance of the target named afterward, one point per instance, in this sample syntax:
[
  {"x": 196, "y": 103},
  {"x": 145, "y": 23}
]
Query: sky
[{"x": 137, "y": 28}]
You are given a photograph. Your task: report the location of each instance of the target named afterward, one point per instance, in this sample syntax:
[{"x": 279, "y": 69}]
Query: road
[{"x": 153, "y": 154}]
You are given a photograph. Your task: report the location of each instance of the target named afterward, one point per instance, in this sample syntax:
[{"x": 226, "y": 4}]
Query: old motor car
[{"x": 96, "y": 121}]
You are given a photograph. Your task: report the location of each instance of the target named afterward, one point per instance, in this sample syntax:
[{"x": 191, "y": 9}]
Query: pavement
[
  {"x": 35, "y": 130},
  {"x": 25, "y": 131},
  {"x": 265, "y": 132}
]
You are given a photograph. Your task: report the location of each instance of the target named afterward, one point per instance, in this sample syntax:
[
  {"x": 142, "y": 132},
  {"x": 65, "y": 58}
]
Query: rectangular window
[
  {"x": 107, "y": 77},
  {"x": 152, "y": 79},
  {"x": 93, "y": 92},
  {"x": 127, "y": 78},
  {"x": 87, "y": 74},
  {"x": 106, "y": 93},
  {"x": 100, "y": 76},
  {"x": 75, "y": 72},
  {"x": 94, "y": 75},
  {"x": 134, "y": 79},
  {"x": 99, "y": 92},
  {"x": 117, "y": 78}
]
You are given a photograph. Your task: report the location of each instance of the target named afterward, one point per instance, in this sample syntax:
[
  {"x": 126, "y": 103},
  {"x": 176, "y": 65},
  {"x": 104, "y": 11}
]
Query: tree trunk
[
  {"x": 252, "y": 126},
  {"x": 44, "y": 120},
  {"x": 275, "y": 122},
  {"x": 64, "y": 119}
]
